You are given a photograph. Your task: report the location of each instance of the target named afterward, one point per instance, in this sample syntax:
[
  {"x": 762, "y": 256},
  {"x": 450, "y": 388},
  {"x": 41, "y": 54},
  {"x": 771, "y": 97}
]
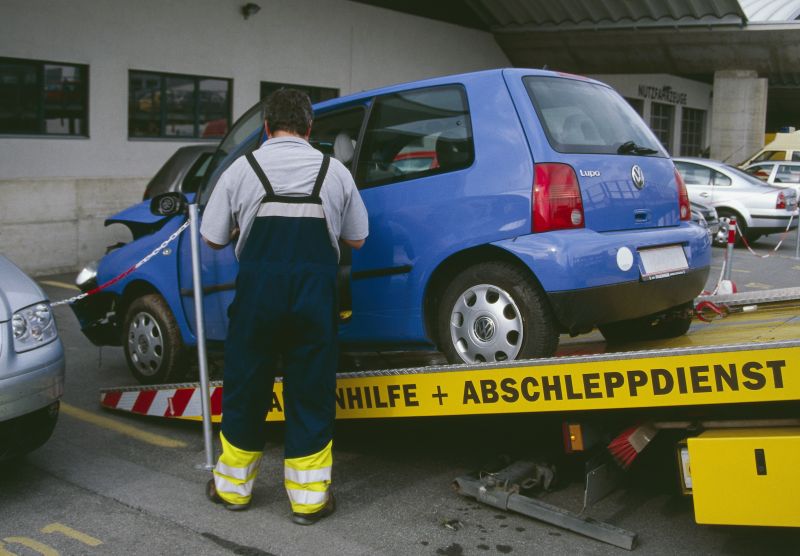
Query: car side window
[
  {"x": 787, "y": 174},
  {"x": 416, "y": 133},
  {"x": 720, "y": 178},
  {"x": 694, "y": 174},
  {"x": 197, "y": 173},
  {"x": 336, "y": 134},
  {"x": 796, "y": 156}
]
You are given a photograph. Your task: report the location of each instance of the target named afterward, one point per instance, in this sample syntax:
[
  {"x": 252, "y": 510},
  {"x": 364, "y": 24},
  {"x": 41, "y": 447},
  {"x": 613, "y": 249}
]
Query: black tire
[
  {"x": 24, "y": 434},
  {"x": 671, "y": 324},
  {"x": 152, "y": 341},
  {"x": 514, "y": 304}
]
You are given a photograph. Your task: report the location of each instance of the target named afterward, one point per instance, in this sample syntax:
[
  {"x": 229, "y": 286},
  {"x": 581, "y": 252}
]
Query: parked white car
[
  {"x": 31, "y": 364},
  {"x": 784, "y": 174},
  {"x": 759, "y": 208}
]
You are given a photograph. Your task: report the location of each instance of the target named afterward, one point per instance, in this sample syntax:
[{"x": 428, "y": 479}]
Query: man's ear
[
  {"x": 266, "y": 128},
  {"x": 308, "y": 133}
]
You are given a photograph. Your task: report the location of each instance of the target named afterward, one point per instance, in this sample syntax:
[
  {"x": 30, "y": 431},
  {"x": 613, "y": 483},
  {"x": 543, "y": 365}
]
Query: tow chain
[{"x": 116, "y": 279}]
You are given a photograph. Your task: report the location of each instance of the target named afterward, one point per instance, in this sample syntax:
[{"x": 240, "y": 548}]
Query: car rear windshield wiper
[{"x": 629, "y": 147}]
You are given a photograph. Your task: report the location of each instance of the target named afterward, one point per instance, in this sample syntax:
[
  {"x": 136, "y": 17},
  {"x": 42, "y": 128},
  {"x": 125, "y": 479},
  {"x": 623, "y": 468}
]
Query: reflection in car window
[
  {"x": 584, "y": 117},
  {"x": 721, "y": 179},
  {"x": 194, "y": 177},
  {"x": 414, "y": 134}
]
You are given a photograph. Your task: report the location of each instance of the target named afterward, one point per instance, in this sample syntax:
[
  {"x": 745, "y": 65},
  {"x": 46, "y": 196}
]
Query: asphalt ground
[{"x": 112, "y": 483}]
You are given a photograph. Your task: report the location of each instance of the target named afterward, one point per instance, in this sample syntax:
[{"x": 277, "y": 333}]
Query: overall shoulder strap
[
  {"x": 323, "y": 170},
  {"x": 260, "y": 174}
]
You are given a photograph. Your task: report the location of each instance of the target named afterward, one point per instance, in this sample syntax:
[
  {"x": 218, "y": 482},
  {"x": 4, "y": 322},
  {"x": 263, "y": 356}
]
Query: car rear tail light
[
  {"x": 557, "y": 202},
  {"x": 780, "y": 203},
  {"x": 683, "y": 198}
]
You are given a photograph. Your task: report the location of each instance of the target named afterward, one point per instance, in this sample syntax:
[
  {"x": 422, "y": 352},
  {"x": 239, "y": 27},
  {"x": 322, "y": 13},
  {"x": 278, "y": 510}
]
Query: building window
[
  {"x": 637, "y": 104},
  {"x": 316, "y": 94},
  {"x": 661, "y": 117},
  {"x": 692, "y": 131},
  {"x": 43, "y": 98},
  {"x": 166, "y": 105}
]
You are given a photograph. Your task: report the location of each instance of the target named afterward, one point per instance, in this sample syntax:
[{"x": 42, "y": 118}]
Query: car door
[{"x": 698, "y": 180}]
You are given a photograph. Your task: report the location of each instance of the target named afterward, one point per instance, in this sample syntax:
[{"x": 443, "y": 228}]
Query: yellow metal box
[{"x": 746, "y": 476}]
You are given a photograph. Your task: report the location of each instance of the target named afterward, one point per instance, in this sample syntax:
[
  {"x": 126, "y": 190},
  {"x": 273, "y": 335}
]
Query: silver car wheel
[
  {"x": 145, "y": 344},
  {"x": 486, "y": 325}
]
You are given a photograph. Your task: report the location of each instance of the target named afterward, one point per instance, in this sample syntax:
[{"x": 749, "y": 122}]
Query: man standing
[{"x": 291, "y": 206}]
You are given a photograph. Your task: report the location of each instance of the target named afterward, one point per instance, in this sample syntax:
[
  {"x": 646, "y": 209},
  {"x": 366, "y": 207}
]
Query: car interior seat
[{"x": 344, "y": 147}]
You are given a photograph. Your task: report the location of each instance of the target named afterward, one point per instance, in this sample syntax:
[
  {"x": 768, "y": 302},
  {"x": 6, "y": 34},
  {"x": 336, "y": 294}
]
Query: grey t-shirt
[{"x": 291, "y": 165}]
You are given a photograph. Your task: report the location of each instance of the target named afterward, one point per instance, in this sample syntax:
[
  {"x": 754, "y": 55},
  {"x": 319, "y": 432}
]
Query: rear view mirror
[{"x": 168, "y": 204}]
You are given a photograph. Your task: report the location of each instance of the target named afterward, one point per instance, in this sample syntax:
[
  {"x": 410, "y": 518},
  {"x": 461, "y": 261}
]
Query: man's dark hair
[{"x": 289, "y": 110}]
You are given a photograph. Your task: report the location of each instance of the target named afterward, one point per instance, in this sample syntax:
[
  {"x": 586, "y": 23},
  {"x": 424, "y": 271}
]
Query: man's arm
[
  {"x": 354, "y": 243},
  {"x": 217, "y": 228}
]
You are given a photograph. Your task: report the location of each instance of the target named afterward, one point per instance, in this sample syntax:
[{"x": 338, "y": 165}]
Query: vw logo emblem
[
  {"x": 638, "y": 176},
  {"x": 484, "y": 329}
]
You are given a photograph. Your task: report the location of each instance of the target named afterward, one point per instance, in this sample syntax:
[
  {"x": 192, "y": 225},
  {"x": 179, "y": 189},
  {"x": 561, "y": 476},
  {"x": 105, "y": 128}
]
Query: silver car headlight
[
  {"x": 87, "y": 278},
  {"x": 33, "y": 326}
]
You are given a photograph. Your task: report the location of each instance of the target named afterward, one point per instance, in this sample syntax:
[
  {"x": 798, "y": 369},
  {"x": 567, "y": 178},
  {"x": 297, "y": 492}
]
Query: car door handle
[{"x": 704, "y": 194}]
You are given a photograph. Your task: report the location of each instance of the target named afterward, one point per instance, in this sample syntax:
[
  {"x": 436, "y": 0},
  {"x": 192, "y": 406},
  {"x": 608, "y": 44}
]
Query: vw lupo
[{"x": 539, "y": 204}]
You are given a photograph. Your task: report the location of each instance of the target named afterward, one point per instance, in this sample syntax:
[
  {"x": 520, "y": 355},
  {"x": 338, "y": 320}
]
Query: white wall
[{"x": 328, "y": 43}]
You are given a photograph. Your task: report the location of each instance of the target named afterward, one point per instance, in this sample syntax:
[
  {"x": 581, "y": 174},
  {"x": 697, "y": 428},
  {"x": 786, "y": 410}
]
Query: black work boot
[
  {"x": 312, "y": 518},
  {"x": 213, "y": 495}
]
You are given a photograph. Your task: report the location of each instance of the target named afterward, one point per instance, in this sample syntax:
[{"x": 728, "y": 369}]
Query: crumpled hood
[
  {"x": 139, "y": 219},
  {"x": 17, "y": 290}
]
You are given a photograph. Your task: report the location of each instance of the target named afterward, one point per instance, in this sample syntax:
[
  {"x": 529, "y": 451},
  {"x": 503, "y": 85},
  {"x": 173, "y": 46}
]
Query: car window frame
[
  {"x": 461, "y": 88},
  {"x": 366, "y": 108}
]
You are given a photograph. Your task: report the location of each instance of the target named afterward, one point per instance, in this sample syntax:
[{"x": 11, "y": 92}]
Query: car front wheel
[
  {"x": 494, "y": 312},
  {"x": 153, "y": 346}
]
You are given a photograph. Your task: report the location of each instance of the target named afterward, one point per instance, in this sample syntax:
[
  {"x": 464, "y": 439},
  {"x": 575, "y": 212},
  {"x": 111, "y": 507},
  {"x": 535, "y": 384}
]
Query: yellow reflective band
[
  {"x": 309, "y": 476},
  {"x": 235, "y": 472},
  {"x": 319, "y": 460}
]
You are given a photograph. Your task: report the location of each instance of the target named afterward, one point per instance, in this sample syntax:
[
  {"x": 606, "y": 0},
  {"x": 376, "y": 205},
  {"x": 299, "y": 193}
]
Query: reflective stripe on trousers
[
  {"x": 235, "y": 473},
  {"x": 307, "y": 480}
]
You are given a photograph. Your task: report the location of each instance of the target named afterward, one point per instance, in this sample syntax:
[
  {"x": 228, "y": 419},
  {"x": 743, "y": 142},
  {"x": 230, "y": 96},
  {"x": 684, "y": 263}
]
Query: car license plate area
[{"x": 663, "y": 262}]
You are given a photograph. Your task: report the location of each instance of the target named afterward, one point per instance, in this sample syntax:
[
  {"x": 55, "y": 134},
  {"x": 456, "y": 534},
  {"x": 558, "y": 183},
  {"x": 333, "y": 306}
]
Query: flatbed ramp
[{"x": 747, "y": 357}]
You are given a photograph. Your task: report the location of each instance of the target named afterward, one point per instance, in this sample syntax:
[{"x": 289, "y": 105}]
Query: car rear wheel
[
  {"x": 153, "y": 346},
  {"x": 493, "y": 312},
  {"x": 670, "y": 324},
  {"x": 721, "y": 238}
]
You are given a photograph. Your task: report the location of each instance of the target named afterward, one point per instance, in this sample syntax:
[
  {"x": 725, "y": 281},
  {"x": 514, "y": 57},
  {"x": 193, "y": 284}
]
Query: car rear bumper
[
  {"x": 580, "y": 310},
  {"x": 585, "y": 276},
  {"x": 772, "y": 223},
  {"x": 40, "y": 383}
]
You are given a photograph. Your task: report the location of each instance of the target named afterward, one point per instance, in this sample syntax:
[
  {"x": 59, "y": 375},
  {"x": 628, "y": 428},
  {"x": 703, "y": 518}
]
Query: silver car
[
  {"x": 31, "y": 364},
  {"x": 780, "y": 173},
  {"x": 759, "y": 208}
]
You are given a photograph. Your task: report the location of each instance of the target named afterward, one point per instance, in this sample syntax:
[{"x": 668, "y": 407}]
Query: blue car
[{"x": 505, "y": 207}]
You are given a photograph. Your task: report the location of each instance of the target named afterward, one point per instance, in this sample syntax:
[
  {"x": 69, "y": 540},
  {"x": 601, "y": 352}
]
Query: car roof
[{"x": 446, "y": 80}]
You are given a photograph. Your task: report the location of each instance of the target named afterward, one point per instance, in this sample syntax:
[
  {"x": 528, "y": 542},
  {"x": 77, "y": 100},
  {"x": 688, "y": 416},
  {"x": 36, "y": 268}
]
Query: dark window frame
[
  {"x": 41, "y": 108},
  {"x": 163, "y": 76},
  {"x": 362, "y": 185},
  {"x": 668, "y": 132}
]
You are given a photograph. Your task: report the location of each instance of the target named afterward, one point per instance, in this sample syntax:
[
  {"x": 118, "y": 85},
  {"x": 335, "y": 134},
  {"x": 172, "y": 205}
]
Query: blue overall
[{"x": 285, "y": 307}]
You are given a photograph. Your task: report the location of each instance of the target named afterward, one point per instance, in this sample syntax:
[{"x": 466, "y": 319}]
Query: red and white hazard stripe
[{"x": 178, "y": 402}]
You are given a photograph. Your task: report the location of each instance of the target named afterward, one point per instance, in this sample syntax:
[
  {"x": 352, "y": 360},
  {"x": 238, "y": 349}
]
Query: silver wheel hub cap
[
  {"x": 145, "y": 344},
  {"x": 486, "y": 325}
]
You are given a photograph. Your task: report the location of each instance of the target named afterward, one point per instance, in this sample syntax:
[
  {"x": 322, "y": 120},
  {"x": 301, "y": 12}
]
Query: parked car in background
[
  {"x": 705, "y": 215},
  {"x": 31, "y": 364},
  {"x": 780, "y": 174},
  {"x": 759, "y": 208},
  {"x": 543, "y": 204},
  {"x": 183, "y": 171},
  {"x": 785, "y": 146}
]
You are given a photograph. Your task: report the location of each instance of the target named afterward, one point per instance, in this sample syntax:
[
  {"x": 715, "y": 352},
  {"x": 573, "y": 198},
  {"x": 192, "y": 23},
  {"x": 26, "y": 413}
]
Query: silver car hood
[{"x": 17, "y": 290}]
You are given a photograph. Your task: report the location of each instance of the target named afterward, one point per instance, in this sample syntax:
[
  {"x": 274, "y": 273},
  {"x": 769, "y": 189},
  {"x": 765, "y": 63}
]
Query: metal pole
[
  {"x": 200, "y": 331},
  {"x": 729, "y": 253},
  {"x": 797, "y": 240}
]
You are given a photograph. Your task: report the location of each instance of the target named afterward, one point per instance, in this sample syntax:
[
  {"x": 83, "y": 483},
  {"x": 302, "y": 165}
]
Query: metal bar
[
  {"x": 729, "y": 252},
  {"x": 748, "y": 298},
  {"x": 200, "y": 331},
  {"x": 545, "y": 512},
  {"x": 626, "y": 356},
  {"x": 797, "y": 240}
]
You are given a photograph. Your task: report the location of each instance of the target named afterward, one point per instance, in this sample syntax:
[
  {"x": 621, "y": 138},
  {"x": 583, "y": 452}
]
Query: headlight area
[
  {"x": 33, "y": 326},
  {"x": 87, "y": 278}
]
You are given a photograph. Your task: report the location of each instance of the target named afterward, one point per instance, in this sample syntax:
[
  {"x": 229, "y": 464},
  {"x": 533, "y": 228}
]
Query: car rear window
[{"x": 585, "y": 117}]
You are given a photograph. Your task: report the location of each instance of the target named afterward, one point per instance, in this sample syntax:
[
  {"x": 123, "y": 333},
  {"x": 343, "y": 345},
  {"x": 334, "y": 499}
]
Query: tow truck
[{"x": 730, "y": 386}]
